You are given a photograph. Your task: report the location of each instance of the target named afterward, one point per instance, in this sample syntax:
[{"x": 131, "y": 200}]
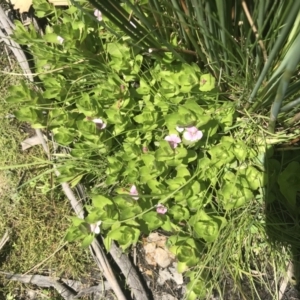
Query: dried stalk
[
  {"x": 68, "y": 289},
  {"x": 254, "y": 29},
  {"x": 4, "y": 240}
]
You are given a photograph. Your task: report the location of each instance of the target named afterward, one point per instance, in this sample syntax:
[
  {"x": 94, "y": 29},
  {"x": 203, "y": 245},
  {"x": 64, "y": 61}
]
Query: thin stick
[
  {"x": 286, "y": 280},
  {"x": 43, "y": 281},
  {"x": 254, "y": 29},
  {"x": 9, "y": 60},
  {"x": 68, "y": 289},
  {"x": 47, "y": 258},
  {"x": 4, "y": 240}
]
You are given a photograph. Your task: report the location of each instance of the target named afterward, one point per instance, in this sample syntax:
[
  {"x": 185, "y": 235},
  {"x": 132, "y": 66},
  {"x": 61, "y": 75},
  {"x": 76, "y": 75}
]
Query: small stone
[
  {"x": 162, "y": 257},
  {"x": 164, "y": 296},
  {"x": 164, "y": 275},
  {"x": 31, "y": 294},
  {"x": 177, "y": 277}
]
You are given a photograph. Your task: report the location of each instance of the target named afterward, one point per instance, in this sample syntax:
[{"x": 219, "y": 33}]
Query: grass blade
[
  {"x": 294, "y": 55},
  {"x": 279, "y": 42}
]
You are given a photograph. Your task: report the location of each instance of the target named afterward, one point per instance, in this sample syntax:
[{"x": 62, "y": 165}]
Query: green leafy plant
[
  {"x": 152, "y": 128},
  {"x": 249, "y": 46},
  {"x": 288, "y": 181}
]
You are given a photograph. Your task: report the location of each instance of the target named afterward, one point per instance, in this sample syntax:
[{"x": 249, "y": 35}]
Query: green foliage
[
  {"x": 155, "y": 124},
  {"x": 250, "y": 47},
  {"x": 289, "y": 183}
]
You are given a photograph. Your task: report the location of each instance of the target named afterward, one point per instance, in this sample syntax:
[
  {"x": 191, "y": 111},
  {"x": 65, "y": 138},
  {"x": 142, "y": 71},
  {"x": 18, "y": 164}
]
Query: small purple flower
[
  {"x": 134, "y": 192},
  {"x": 99, "y": 123},
  {"x": 98, "y": 14},
  {"x": 60, "y": 39},
  {"x": 95, "y": 228},
  {"x": 192, "y": 134},
  {"x": 161, "y": 209},
  {"x": 173, "y": 140}
]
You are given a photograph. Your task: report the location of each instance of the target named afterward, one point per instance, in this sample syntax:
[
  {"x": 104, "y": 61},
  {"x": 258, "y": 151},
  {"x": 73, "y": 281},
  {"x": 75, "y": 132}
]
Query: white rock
[
  {"x": 162, "y": 257},
  {"x": 164, "y": 297}
]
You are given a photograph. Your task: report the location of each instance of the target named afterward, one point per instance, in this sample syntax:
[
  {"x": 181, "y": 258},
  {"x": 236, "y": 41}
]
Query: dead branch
[{"x": 68, "y": 289}]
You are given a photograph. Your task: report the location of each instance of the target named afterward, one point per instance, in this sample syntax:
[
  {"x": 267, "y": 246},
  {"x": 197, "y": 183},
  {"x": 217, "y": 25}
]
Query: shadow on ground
[{"x": 282, "y": 212}]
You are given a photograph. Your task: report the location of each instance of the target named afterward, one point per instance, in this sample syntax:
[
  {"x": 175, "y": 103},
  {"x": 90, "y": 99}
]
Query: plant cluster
[{"x": 155, "y": 129}]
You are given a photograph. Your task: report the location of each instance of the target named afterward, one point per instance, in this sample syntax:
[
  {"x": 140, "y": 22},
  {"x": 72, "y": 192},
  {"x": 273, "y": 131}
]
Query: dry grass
[{"x": 33, "y": 210}]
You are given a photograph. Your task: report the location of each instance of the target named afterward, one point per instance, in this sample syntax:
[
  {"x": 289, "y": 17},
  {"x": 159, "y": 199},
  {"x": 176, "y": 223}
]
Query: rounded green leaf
[
  {"x": 289, "y": 182},
  {"x": 187, "y": 257},
  {"x": 51, "y": 38},
  {"x": 234, "y": 195},
  {"x": 179, "y": 213},
  {"x": 87, "y": 241},
  {"x": 196, "y": 289},
  {"x": 64, "y": 136},
  {"x": 180, "y": 152},
  {"x": 125, "y": 236},
  {"x": 207, "y": 83},
  {"x": 207, "y": 226},
  {"x": 155, "y": 186},
  {"x": 176, "y": 183},
  {"x": 182, "y": 171},
  {"x": 220, "y": 156},
  {"x": 153, "y": 220},
  {"x": 253, "y": 177},
  {"x": 101, "y": 201},
  {"x": 240, "y": 150}
]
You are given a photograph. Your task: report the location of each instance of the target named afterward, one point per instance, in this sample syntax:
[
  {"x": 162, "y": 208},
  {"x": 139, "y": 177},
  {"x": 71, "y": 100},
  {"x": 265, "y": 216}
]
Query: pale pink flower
[
  {"x": 98, "y": 14},
  {"x": 173, "y": 140},
  {"x": 60, "y": 39},
  {"x": 145, "y": 149},
  {"x": 161, "y": 209},
  {"x": 192, "y": 134},
  {"x": 95, "y": 227},
  {"x": 134, "y": 192},
  {"x": 179, "y": 129},
  {"x": 99, "y": 123}
]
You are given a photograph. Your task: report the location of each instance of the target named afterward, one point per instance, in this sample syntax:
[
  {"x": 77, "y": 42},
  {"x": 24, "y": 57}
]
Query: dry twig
[
  {"x": 68, "y": 289},
  {"x": 4, "y": 240},
  {"x": 254, "y": 29}
]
